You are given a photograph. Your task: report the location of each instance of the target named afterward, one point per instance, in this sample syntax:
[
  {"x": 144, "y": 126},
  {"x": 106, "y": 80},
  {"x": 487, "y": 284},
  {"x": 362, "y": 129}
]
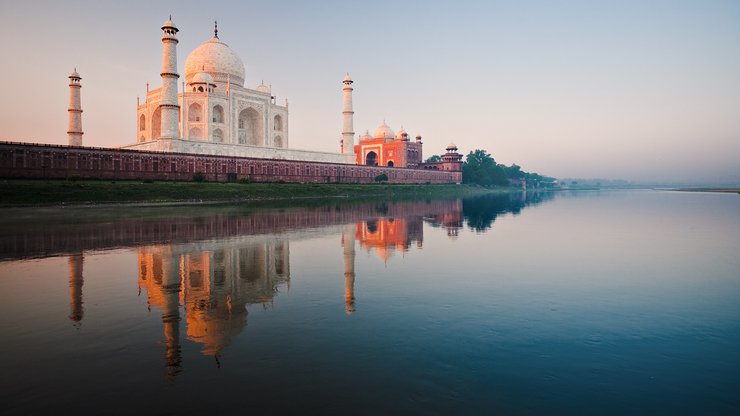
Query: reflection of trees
[{"x": 481, "y": 212}]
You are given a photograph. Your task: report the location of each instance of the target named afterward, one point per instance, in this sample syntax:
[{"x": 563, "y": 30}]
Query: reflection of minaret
[
  {"x": 212, "y": 287},
  {"x": 348, "y": 241},
  {"x": 75, "y": 262},
  {"x": 171, "y": 315},
  {"x": 159, "y": 273}
]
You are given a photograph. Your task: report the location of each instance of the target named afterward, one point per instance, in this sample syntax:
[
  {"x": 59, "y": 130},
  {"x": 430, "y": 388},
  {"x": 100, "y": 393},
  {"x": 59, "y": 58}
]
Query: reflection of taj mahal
[
  {"x": 214, "y": 284},
  {"x": 211, "y": 282}
]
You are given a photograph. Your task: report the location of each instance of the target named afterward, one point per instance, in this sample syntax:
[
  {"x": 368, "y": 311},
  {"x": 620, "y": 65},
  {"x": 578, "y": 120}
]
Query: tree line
[{"x": 480, "y": 168}]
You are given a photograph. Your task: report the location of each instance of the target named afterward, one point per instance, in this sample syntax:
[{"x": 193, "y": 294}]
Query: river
[{"x": 598, "y": 302}]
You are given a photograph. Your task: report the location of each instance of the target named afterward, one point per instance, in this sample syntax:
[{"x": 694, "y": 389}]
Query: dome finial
[{"x": 215, "y": 29}]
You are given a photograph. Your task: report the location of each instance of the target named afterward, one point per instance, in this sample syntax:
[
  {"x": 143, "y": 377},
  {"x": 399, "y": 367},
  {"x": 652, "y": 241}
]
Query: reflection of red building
[
  {"x": 386, "y": 235},
  {"x": 451, "y": 220}
]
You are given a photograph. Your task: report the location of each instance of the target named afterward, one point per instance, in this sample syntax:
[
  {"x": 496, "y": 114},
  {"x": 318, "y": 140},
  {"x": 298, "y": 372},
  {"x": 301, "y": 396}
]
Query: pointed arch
[
  {"x": 277, "y": 123},
  {"x": 371, "y": 159},
  {"x": 195, "y": 112},
  {"x": 195, "y": 134},
  {"x": 250, "y": 127},
  {"x": 156, "y": 123},
  {"x": 278, "y": 141},
  {"x": 218, "y": 136},
  {"x": 218, "y": 114},
  {"x": 142, "y": 123}
]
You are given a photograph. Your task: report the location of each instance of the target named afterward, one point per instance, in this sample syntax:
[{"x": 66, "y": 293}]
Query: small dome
[
  {"x": 347, "y": 78},
  {"x": 366, "y": 136},
  {"x": 74, "y": 74},
  {"x": 216, "y": 58},
  {"x": 169, "y": 24},
  {"x": 263, "y": 88},
  {"x": 384, "y": 132},
  {"x": 402, "y": 135},
  {"x": 451, "y": 147},
  {"x": 202, "y": 78}
]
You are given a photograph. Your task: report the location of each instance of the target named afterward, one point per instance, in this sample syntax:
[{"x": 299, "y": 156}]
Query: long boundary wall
[{"x": 30, "y": 160}]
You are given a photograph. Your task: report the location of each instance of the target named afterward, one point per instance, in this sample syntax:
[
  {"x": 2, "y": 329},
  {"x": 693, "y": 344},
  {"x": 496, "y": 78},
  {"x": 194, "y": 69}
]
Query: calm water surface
[{"x": 624, "y": 302}]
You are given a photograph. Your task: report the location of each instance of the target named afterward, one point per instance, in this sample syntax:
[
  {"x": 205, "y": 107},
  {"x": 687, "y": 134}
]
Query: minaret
[
  {"x": 348, "y": 241},
  {"x": 169, "y": 106},
  {"x": 75, "y": 263},
  {"x": 74, "y": 130},
  {"x": 348, "y": 134}
]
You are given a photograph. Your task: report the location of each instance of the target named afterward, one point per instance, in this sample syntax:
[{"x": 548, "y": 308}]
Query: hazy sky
[{"x": 638, "y": 90}]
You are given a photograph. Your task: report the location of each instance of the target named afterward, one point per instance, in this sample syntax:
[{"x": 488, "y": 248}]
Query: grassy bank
[{"x": 56, "y": 192}]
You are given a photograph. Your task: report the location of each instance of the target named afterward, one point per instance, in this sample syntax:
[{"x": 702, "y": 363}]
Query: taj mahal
[
  {"x": 214, "y": 112},
  {"x": 211, "y": 122}
]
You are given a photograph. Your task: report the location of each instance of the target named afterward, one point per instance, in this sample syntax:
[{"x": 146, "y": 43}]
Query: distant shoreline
[{"x": 723, "y": 190}]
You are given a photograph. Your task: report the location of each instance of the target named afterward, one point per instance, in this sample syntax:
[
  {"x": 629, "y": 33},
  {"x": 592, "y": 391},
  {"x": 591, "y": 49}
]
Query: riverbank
[
  {"x": 24, "y": 192},
  {"x": 723, "y": 190}
]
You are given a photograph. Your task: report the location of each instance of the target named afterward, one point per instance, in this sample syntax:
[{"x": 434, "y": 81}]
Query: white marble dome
[
  {"x": 384, "y": 132},
  {"x": 218, "y": 60}
]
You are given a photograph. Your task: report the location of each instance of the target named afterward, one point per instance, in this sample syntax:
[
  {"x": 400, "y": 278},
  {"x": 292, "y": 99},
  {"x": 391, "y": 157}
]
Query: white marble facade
[{"x": 218, "y": 115}]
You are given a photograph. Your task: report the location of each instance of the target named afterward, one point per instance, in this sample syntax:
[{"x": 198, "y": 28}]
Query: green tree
[
  {"x": 480, "y": 168},
  {"x": 433, "y": 159}
]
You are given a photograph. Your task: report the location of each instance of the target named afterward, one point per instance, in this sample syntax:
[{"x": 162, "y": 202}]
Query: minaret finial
[
  {"x": 215, "y": 29},
  {"x": 170, "y": 18}
]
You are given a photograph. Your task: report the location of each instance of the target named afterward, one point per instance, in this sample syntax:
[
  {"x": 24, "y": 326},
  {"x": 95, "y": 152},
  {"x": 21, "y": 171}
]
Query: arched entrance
[
  {"x": 250, "y": 128},
  {"x": 390, "y": 163},
  {"x": 371, "y": 159}
]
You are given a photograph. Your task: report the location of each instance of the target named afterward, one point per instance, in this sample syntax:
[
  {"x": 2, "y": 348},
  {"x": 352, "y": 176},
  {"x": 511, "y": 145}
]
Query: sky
[{"x": 633, "y": 90}]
